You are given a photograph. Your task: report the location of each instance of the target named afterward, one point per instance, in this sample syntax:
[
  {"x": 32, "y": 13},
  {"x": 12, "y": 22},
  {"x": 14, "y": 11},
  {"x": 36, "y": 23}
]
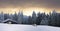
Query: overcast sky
[{"x": 46, "y": 4}]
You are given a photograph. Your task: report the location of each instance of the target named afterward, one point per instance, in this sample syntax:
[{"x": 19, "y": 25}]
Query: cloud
[{"x": 30, "y": 3}]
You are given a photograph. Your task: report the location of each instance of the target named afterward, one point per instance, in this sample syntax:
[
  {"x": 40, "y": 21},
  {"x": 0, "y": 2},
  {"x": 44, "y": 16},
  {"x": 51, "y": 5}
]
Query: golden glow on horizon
[{"x": 26, "y": 11}]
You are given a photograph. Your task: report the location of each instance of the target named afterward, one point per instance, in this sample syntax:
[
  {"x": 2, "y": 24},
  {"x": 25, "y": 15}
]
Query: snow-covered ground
[{"x": 12, "y": 27}]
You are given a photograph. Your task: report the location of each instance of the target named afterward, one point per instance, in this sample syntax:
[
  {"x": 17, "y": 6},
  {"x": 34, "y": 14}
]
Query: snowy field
[{"x": 12, "y": 27}]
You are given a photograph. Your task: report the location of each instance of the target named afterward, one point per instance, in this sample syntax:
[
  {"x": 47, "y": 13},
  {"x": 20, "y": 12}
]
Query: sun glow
[{"x": 26, "y": 11}]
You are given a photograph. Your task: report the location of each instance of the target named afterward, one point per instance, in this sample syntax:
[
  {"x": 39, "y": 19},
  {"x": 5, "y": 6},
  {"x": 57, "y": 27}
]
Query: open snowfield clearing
[{"x": 14, "y": 27}]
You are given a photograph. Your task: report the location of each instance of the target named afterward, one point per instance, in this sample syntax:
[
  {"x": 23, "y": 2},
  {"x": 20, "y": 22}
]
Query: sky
[{"x": 27, "y": 6}]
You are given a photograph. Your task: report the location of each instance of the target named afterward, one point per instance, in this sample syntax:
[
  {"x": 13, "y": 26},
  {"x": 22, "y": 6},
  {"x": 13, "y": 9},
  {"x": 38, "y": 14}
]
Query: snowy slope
[{"x": 11, "y": 27}]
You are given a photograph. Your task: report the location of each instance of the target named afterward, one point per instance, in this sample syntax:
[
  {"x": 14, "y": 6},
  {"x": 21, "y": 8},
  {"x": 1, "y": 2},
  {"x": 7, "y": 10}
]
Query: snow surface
[{"x": 14, "y": 27}]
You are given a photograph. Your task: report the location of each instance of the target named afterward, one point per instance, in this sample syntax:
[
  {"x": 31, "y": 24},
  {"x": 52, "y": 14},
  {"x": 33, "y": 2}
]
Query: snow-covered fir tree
[
  {"x": 20, "y": 16},
  {"x": 34, "y": 17},
  {"x": 53, "y": 18},
  {"x": 15, "y": 17},
  {"x": 44, "y": 21},
  {"x": 2, "y": 16}
]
